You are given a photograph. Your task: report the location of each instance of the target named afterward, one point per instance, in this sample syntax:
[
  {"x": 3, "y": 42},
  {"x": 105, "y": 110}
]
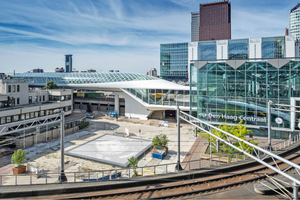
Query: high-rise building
[
  {"x": 215, "y": 21},
  {"x": 68, "y": 63},
  {"x": 174, "y": 61},
  {"x": 152, "y": 72},
  {"x": 195, "y": 17},
  {"x": 294, "y": 22}
]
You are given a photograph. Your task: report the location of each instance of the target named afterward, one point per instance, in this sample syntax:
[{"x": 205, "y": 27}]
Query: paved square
[{"x": 111, "y": 149}]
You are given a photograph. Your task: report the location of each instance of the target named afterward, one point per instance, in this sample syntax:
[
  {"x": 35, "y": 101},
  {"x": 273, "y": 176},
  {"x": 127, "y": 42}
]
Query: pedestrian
[{"x": 140, "y": 132}]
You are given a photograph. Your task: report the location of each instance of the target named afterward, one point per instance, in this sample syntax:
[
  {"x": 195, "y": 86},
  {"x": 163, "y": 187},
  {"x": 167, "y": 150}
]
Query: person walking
[{"x": 140, "y": 132}]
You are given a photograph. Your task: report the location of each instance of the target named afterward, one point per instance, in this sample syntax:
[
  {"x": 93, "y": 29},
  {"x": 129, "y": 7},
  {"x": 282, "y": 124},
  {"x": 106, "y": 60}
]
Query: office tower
[
  {"x": 195, "y": 27},
  {"x": 215, "y": 21},
  {"x": 294, "y": 22},
  {"x": 68, "y": 63}
]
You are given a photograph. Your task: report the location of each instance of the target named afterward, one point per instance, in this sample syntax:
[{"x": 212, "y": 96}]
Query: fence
[{"x": 105, "y": 175}]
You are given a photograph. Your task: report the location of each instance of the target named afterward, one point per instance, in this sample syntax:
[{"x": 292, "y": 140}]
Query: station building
[
  {"x": 233, "y": 80},
  {"x": 145, "y": 96}
]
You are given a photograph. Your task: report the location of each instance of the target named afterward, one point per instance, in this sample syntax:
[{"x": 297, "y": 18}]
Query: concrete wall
[
  {"x": 134, "y": 108},
  {"x": 41, "y": 138}
]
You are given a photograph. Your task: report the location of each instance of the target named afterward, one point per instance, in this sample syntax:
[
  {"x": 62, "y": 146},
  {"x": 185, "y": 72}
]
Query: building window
[
  {"x": 8, "y": 119},
  {"x": 9, "y": 88},
  {"x": 14, "y": 88},
  {"x": 27, "y": 116},
  {"x": 2, "y": 120},
  {"x": 30, "y": 99},
  {"x": 18, "y": 100},
  {"x": 32, "y": 115},
  {"x": 43, "y": 97},
  {"x": 36, "y": 114},
  {"x": 47, "y": 112},
  {"x": 42, "y": 113},
  {"x": 62, "y": 98},
  {"x": 18, "y": 88},
  {"x": 16, "y": 118},
  {"x": 22, "y": 116},
  {"x": 40, "y": 98}
]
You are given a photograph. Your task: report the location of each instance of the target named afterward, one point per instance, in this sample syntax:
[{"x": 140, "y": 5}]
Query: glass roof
[{"x": 81, "y": 78}]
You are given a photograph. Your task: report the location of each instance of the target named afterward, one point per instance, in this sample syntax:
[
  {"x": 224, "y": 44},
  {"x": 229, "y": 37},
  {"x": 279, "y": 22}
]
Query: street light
[
  {"x": 62, "y": 176},
  {"x": 269, "y": 125},
  {"x": 178, "y": 166}
]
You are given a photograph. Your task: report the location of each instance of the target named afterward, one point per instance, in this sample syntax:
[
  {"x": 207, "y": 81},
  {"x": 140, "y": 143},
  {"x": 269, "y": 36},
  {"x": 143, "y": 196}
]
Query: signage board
[{"x": 278, "y": 120}]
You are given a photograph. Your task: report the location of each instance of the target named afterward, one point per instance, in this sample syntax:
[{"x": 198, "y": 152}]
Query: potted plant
[
  {"x": 164, "y": 143},
  {"x": 133, "y": 163},
  {"x": 160, "y": 142},
  {"x": 18, "y": 158}
]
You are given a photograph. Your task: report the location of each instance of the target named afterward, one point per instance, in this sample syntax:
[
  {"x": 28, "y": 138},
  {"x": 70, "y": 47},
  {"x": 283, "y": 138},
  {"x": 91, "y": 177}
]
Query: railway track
[{"x": 185, "y": 188}]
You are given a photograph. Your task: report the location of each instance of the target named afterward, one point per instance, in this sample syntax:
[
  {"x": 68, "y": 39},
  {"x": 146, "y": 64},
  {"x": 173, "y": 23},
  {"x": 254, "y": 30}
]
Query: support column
[{"x": 117, "y": 103}]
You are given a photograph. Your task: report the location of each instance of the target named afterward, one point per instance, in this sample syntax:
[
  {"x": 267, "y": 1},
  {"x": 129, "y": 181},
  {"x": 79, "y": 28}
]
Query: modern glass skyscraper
[
  {"x": 68, "y": 63},
  {"x": 174, "y": 61},
  {"x": 215, "y": 21},
  {"x": 294, "y": 22},
  {"x": 195, "y": 17}
]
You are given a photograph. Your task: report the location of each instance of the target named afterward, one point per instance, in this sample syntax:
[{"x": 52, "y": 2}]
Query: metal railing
[{"x": 45, "y": 177}]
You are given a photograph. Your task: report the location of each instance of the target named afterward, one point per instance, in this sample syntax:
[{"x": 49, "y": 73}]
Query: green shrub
[
  {"x": 133, "y": 163},
  {"x": 18, "y": 157},
  {"x": 160, "y": 141},
  {"x": 85, "y": 124}
]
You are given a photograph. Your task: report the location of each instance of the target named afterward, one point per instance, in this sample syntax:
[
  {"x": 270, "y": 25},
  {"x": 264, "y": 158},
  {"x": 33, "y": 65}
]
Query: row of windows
[
  {"x": 31, "y": 115},
  {"x": 12, "y": 88},
  {"x": 59, "y": 98}
]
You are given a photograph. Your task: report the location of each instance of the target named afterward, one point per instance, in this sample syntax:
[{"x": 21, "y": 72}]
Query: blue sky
[{"x": 115, "y": 34}]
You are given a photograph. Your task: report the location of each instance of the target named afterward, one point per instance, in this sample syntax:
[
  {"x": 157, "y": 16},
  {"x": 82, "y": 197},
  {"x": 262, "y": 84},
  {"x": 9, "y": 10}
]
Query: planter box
[
  {"x": 159, "y": 154},
  {"x": 161, "y": 149},
  {"x": 19, "y": 170}
]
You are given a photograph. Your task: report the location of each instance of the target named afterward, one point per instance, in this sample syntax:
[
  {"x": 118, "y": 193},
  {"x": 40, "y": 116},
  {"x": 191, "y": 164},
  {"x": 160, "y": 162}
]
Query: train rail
[{"x": 186, "y": 188}]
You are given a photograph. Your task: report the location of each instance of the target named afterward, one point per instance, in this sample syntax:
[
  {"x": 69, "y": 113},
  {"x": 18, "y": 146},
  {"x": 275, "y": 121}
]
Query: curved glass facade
[
  {"x": 221, "y": 93},
  {"x": 82, "y": 78}
]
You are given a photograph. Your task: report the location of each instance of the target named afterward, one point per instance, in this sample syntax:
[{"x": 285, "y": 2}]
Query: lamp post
[
  {"x": 178, "y": 166},
  {"x": 269, "y": 125},
  {"x": 62, "y": 177}
]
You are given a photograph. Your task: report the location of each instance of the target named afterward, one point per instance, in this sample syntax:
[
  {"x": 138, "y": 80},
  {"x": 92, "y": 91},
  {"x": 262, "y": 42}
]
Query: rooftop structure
[{"x": 143, "y": 94}]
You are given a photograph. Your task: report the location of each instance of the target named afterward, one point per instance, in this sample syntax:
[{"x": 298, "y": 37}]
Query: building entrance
[{"x": 170, "y": 114}]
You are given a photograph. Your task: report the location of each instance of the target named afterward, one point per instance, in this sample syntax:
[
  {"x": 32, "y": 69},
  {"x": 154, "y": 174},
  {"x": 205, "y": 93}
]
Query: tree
[
  {"x": 133, "y": 163},
  {"x": 18, "y": 157},
  {"x": 50, "y": 85},
  {"x": 239, "y": 131}
]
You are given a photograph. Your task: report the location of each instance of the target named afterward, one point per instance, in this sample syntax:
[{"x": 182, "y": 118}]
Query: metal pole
[
  {"x": 195, "y": 131},
  {"x": 178, "y": 166},
  {"x": 269, "y": 124},
  {"x": 62, "y": 177},
  {"x": 295, "y": 191}
]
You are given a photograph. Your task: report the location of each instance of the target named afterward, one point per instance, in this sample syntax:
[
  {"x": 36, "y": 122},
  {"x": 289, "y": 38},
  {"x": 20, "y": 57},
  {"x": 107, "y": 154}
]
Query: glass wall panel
[
  {"x": 207, "y": 50},
  {"x": 238, "y": 49},
  {"x": 273, "y": 47}
]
